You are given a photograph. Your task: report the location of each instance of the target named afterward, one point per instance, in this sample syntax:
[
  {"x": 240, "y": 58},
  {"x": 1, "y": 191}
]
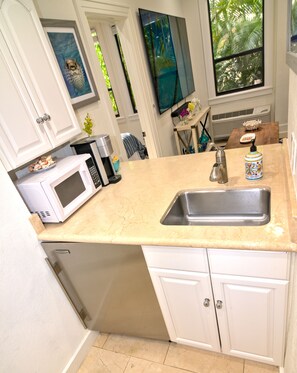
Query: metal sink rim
[{"x": 250, "y": 219}]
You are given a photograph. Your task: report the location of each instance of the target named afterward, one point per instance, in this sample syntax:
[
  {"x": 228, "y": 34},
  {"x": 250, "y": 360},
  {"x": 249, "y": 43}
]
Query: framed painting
[{"x": 68, "y": 49}]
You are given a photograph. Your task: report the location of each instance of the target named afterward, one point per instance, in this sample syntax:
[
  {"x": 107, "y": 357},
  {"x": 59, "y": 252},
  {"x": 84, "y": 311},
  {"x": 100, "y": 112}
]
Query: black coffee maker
[{"x": 100, "y": 148}]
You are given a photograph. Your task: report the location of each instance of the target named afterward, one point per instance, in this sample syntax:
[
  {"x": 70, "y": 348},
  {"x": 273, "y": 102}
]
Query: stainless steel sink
[{"x": 245, "y": 206}]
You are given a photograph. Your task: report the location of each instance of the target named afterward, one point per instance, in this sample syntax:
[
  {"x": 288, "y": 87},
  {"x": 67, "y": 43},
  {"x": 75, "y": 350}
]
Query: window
[
  {"x": 237, "y": 38},
  {"x": 105, "y": 72},
  {"x": 124, "y": 66}
]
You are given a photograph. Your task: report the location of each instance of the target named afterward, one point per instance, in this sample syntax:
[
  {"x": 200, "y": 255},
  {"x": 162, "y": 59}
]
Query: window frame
[
  {"x": 125, "y": 72},
  {"x": 265, "y": 88},
  {"x": 234, "y": 55},
  {"x": 109, "y": 89}
]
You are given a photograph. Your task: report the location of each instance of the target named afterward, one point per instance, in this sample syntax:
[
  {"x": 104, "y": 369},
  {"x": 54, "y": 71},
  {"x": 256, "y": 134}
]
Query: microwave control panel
[{"x": 93, "y": 172}]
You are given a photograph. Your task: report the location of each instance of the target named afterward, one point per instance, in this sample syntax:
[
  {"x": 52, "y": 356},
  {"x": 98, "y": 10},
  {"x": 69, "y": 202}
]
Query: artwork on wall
[
  {"x": 68, "y": 49},
  {"x": 167, "y": 47}
]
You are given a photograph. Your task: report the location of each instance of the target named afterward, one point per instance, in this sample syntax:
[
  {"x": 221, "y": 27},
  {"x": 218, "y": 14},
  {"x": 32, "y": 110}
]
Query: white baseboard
[
  {"x": 281, "y": 370},
  {"x": 81, "y": 352}
]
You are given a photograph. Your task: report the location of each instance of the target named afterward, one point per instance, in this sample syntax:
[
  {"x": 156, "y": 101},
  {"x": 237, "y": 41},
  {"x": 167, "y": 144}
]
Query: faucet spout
[{"x": 219, "y": 170}]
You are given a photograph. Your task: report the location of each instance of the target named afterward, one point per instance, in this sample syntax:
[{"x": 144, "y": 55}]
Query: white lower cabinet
[
  {"x": 187, "y": 307},
  {"x": 229, "y": 301},
  {"x": 251, "y": 316}
]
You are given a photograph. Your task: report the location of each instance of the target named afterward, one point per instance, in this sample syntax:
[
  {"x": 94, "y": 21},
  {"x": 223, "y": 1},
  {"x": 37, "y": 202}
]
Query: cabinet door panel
[
  {"x": 252, "y": 317},
  {"x": 181, "y": 296},
  {"x": 34, "y": 59},
  {"x": 21, "y": 138}
]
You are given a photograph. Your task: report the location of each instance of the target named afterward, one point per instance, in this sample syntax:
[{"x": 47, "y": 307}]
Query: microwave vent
[{"x": 43, "y": 214}]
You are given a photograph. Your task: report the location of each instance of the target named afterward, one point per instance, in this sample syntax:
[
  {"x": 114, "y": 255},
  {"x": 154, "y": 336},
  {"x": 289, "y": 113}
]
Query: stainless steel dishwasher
[{"x": 109, "y": 287}]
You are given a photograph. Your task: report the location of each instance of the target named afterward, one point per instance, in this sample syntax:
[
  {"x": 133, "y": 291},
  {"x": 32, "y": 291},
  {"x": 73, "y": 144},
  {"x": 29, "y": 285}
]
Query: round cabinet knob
[
  {"x": 46, "y": 117},
  {"x": 219, "y": 304},
  {"x": 206, "y": 302},
  {"x": 39, "y": 120}
]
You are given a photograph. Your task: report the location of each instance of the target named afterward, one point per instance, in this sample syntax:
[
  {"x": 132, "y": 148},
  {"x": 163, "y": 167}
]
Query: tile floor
[{"x": 117, "y": 354}]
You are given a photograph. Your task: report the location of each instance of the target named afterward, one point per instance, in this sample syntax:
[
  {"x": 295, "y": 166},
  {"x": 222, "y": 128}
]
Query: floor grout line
[
  {"x": 127, "y": 364},
  {"x": 164, "y": 356},
  {"x": 166, "y": 353}
]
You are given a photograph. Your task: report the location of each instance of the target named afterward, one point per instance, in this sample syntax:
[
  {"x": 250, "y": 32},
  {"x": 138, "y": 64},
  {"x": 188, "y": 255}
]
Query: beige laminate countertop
[{"x": 129, "y": 212}]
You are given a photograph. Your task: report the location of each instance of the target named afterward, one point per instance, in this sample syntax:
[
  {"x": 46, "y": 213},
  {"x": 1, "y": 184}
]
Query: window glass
[
  {"x": 105, "y": 72},
  {"x": 70, "y": 188},
  {"x": 237, "y": 36}
]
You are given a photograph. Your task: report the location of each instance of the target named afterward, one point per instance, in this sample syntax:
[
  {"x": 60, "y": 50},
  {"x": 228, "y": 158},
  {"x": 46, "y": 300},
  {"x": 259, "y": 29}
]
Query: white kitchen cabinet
[
  {"x": 32, "y": 89},
  {"x": 250, "y": 289},
  {"x": 187, "y": 307},
  {"x": 251, "y": 316},
  {"x": 247, "y": 292}
]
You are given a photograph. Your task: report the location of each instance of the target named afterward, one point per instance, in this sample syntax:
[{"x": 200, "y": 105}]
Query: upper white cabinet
[
  {"x": 35, "y": 110},
  {"x": 228, "y": 301}
]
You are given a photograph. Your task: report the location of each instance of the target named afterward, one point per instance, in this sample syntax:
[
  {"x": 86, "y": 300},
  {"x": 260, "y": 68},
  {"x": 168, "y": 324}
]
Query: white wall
[
  {"x": 292, "y": 114},
  {"x": 163, "y": 123},
  {"x": 39, "y": 331},
  {"x": 291, "y": 350},
  {"x": 281, "y": 72},
  {"x": 162, "y": 126}
]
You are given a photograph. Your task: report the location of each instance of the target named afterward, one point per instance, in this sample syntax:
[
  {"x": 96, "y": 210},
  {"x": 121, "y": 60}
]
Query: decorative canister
[{"x": 253, "y": 163}]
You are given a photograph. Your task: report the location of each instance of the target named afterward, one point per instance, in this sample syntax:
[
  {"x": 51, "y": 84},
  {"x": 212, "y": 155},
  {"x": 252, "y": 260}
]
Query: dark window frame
[
  {"x": 230, "y": 57},
  {"x": 127, "y": 79}
]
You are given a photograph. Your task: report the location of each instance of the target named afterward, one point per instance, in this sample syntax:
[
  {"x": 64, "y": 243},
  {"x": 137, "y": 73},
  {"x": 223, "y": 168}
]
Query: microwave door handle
[{"x": 85, "y": 175}]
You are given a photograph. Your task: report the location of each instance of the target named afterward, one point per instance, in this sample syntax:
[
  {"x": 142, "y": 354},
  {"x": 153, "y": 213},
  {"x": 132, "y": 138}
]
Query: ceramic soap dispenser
[{"x": 253, "y": 163}]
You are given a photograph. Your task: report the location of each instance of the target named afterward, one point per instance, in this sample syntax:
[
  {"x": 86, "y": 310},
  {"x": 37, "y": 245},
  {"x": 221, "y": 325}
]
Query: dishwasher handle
[{"x": 56, "y": 270}]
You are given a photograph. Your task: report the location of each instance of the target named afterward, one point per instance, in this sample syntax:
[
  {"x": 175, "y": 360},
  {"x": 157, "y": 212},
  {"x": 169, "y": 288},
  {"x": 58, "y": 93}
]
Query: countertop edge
[{"x": 114, "y": 233}]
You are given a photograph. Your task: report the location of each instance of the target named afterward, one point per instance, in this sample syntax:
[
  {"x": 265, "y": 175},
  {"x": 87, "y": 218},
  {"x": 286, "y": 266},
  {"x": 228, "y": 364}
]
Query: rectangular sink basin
[{"x": 245, "y": 206}]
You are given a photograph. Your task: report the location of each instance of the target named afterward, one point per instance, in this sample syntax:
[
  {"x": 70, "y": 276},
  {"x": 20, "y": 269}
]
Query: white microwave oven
[{"x": 56, "y": 193}]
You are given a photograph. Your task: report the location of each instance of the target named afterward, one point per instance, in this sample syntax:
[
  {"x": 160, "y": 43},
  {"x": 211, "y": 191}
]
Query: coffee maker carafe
[{"x": 100, "y": 149}]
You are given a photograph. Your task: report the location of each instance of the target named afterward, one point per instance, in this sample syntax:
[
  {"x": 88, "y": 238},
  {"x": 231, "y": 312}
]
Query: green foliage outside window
[
  {"x": 105, "y": 72},
  {"x": 237, "y": 43}
]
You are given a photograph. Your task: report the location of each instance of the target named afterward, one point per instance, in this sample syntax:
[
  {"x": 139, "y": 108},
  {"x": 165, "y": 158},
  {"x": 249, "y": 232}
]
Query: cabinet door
[
  {"x": 251, "y": 316},
  {"x": 21, "y": 138},
  {"x": 187, "y": 306},
  {"x": 34, "y": 60}
]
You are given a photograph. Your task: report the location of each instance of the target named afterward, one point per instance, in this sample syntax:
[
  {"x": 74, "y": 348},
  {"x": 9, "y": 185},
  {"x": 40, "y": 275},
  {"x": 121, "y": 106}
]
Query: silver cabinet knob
[
  {"x": 46, "y": 117},
  {"x": 206, "y": 302},
  {"x": 39, "y": 120},
  {"x": 219, "y": 304}
]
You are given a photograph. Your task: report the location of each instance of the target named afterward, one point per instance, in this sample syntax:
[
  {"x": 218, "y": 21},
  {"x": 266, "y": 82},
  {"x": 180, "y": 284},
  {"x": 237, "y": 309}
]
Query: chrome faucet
[{"x": 219, "y": 169}]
